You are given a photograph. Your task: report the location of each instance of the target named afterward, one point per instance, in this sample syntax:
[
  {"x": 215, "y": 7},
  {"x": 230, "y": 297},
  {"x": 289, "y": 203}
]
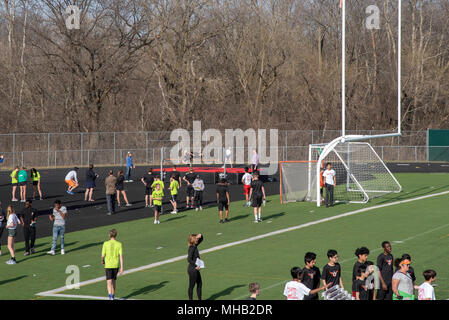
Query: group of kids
[
  {"x": 19, "y": 178},
  {"x": 396, "y": 284}
]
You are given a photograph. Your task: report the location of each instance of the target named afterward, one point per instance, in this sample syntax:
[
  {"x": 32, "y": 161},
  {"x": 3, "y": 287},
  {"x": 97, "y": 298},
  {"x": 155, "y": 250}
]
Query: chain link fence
[{"x": 110, "y": 148}]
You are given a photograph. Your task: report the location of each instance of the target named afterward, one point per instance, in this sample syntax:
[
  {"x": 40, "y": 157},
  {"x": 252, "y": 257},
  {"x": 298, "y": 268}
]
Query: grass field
[{"x": 418, "y": 227}]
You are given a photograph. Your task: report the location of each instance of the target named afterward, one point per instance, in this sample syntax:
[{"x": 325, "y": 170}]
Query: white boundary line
[{"x": 51, "y": 293}]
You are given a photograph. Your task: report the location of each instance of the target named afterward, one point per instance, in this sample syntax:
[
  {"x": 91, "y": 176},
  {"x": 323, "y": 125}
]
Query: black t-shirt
[
  {"x": 190, "y": 177},
  {"x": 385, "y": 265},
  {"x": 357, "y": 264},
  {"x": 149, "y": 179},
  {"x": 331, "y": 274},
  {"x": 311, "y": 278},
  {"x": 176, "y": 174},
  {"x": 360, "y": 287},
  {"x": 222, "y": 189},
  {"x": 257, "y": 185},
  {"x": 28, "y": 214},
  {"x": 120, "y": 180}
]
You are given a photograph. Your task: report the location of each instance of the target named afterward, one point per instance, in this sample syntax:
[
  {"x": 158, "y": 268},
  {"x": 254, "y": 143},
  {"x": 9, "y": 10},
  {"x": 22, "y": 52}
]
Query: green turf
[{"x": 420, "y": 225}]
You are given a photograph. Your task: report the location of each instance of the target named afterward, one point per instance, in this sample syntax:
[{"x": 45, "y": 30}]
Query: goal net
[{"x": 360, "y": 174}]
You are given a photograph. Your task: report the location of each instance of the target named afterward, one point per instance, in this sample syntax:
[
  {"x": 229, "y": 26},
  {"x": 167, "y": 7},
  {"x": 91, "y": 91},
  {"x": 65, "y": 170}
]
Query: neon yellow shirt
[
  {"x": 158, "y": 194},
  {"x": 36, "y": 177},
  {"x": 111, "y": 251},
  {"x": 158, "y": 182},
  {"x": 174, "y": 186},
  {"x": 14, "y": 177}
]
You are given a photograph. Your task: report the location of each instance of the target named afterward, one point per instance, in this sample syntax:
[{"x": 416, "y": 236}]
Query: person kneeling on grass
[
  {"x": 111, "y": 254},
  {"x": 157, "y": 196},
  {"x": 295, "y": 290}
]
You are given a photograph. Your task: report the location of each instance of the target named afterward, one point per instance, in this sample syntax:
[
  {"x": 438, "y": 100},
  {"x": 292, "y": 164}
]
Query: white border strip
[{"x": 231, "y": 244}]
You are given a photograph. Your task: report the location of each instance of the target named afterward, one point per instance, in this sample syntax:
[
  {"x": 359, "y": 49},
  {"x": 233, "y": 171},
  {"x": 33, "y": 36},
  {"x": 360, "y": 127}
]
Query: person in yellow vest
[
  {"x": 36, "y": 180},
  {"x": 14, "y": 183},
  {"x": 111, "y": 256}
]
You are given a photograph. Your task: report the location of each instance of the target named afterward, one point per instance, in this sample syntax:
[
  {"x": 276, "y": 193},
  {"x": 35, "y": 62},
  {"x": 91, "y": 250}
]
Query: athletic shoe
[
  {"x": 260, "y": 219},
  {"x": 201, "y": 208},
  {"x": 152, "y": 206},
  {"x": 26, "y": 254},
  {"x": 174, "y": 212},
  {"x": 72, "y": 193},
  {"x": 128, "y": 205},
  {"x": 14, "y": 200},
  {"x": 22, "y": 200},
  {"x": 196, "y": 209},
  {"x": 41, "y": 198},
  {"x": 62, "y": 252},
  {"x": 256, "y": 221},
  {"x": 32, "y": 251},
  {"x": 11, "y": 261},
  {"x": 130, "y": 180},
  {"x": 119, "y": 205},
  {"x": 33, "y": 198},
  {"x": 147, "y": 206},
  {"x": 155, "y": 222},
  {"x": 51, "y": 252},
  {"x": 226, "y": 220},
  {"x": 158, "y": 222},
  {"x": 109, "y": 214},
  {"x": 221, "y": 221}
]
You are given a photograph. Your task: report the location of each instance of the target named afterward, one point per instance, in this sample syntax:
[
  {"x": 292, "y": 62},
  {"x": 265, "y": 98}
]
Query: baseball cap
[{"x": 405, "y": 261}]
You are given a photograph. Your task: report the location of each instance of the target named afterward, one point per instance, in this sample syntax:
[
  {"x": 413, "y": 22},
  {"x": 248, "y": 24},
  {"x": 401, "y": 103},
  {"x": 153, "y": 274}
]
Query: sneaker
[
  {"x": 196, "y": 209},
  {"x": 109, "y": 214},
  {"x": 51, "y": 252},
  {"x": 22, "y": 200},
  {"x": 158, "y": 222},
  {"x": 11, "y": 261},
  {"x": 226, "y": 220},
  {"x": 256, "y": 221},
  {"x": 260, "y": 219},
  {"x": 26, "y": 254},
  {"x": 32, "y": 251},
  {"x": 128, "y": 205},
  {"x": 14, "y": 200},
  {"x": 41, "y": 198},
  {"x": 130, "y": 180},
  {"x": 201, "y": 208},
  {"x": 147, "y": 206},
  {"x": 72, "y": 193},
  {"x": 33, "y": 198},
  {"x": 152, "y": 206},
  {"x": 221, "y": 221},
  {"x": 119, "y": 204},
  {"x": 174, "y": 212},
  {"x": 62, "y": 252},
  {"x": 155, "y": 222}
]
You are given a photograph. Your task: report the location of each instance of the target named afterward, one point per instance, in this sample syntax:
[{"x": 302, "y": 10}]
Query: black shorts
[
  {"x": 14, "y": 184},
  {"x": 22, "y": 183},
  {"x": 190, "y": 192},
  {"x": 111, "y": 274},
  {"x": 35, "y": 183},
  {"x": 174, "y": 197},
  {"x": 157, "y": 208},
  {"x": 223, "y": 204},
  {"x": 148, "y": 191},
  {"x": 257, "y": 202}
]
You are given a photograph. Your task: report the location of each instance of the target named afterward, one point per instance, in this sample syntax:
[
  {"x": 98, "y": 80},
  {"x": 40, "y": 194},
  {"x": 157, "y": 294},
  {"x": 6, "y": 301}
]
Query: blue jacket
[{"x": 129, "y": 161}]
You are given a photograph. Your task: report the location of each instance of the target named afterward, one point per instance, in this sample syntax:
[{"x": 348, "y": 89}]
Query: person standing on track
[
  {"x": 223, "y": 199},
  {"x": 11, "y": 225},
  {"x": 111, "y": 256},
  {"x": 385, "y": 264},
  {"x": 246, "y": 180},
  {"x": 189, "y": 178},
  {"x": 58, "y": 218},
  {"x": 91, "y": 176},
  {"x": 28, "y": 217},
  {"x": 72, "y": 180},
  {"x": 129, "y": 167},
  {"x": 36, "y": 180},
  {"x": 14, "y": 183},
  {"x": 157, "y": 196},
  {"x": 174, "y": 186},
  {"x": 193, "y": 269},
  {"x": 120, "y": 187},
  {"x": 198, "y": 186},
  {"x": 111, "y": 192},
  {"x": 254, "y": 162},
  {"x": 147, "y": 181},
  {"x": 23, "y": 178},
  {"x": 330, "y": 182},
  {"x": 257, "y": 195}
]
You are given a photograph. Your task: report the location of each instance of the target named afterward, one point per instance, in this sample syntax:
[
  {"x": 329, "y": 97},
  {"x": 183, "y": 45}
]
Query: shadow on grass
[
  {"x": 274, "y": 216},
  {"x": 225, "y": 292},
  {"x": 147, "y": 289},
  {"x": 414, "y": 193},
  {"x": 2, "y": 282},
  {"x": 175, "y": 218},
  {"x": 242, "y": 216}
]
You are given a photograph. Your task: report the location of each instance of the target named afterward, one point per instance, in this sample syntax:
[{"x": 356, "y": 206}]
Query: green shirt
[
  {"x": 14, "y": 177},
  {"x": 23, "y": 176},
  {"x": 153, "y": 186},
  {"x": 111, "y": 251},
  {"x": 158, "y": 194},
  {"x": 174, "y": 185}
]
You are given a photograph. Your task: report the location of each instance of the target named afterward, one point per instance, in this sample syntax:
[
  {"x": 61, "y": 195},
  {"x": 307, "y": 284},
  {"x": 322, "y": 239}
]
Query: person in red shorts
[{"x": 246, "y": 180}]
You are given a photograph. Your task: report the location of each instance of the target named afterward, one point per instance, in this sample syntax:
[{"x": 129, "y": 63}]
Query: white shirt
[
  {"x": 59, "y": 220},
  {"x": 329, "y": 176},
  {"x": 247, "y": 178},
  {"x": 72, "y": 176},
  {"x": 295, "y": 290},
  {"x": 426, "y": 291},
  {"x": 13, "y": 220},
  {"x": 228, "y": 153}
]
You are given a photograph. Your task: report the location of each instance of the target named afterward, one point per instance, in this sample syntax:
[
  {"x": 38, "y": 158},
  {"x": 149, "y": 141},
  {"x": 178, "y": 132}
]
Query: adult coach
[
  {"x": 189, "y": 178},
  {"x": 257, "y": 194},
  {"x": 129, "y": 167},
  {"x": 28, "y": 217},
  {"x": 72, "y": 180},
  {"x": 193, "y": 270},
  {"x": 110, "y": 183},
  {"x": 330, "y": 182},
  {"x": 147, "y": 181},
  {"x": 111, "y": 255},
  {"x": 223, "y": 199}
]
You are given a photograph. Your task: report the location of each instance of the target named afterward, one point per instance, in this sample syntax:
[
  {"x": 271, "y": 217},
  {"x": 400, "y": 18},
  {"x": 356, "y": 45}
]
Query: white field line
[
  {"x": 235, "y": 243},
  {"x": 84, "y": 297},
  {"x": 353, "y": 258}
]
